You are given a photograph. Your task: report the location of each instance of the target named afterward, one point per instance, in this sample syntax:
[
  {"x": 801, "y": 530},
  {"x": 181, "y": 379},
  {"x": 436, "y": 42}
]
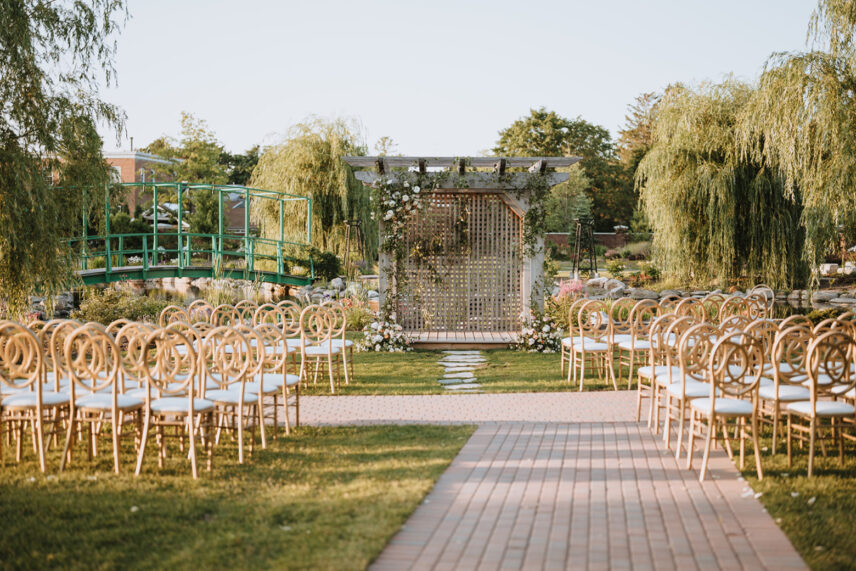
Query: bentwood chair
[
  {"x": 671, "y": 347},
  {"x": 340, "y": 326},
  {"x": 169, "y": 366},
  {"x": 225, "y": 315},
  {"x": 25, "y": 400},
  {"x": 94, "y": 364},
  {"x": 692, "y": 307},
  {"x": 734, "y": 369},
  {"x": 642, "y": 316},
  {"x": 784, "y": 379},
  {"x": 273, "y": 379},
  {"x": 830, "y": 373},
  {"x": 734, "y": 305},
  {"x": 316, "y": 332},
  {"x": 226, "y": 360},
  {"x": 246, "y": 310},
  {"x": 620, "y": 327},
  {"x": 573, "y": 336},
  {"x": 594, "y": 348},
  {"x": 656, "y": 364},
  {"x": 797, "y": 319},
  {"x": 199, "y": 311}
]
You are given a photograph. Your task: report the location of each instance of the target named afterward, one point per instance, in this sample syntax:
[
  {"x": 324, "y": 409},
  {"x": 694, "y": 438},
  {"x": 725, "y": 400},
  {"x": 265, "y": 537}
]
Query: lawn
[
  {"x": 417, "y": 372},
  {"x": 818, "y": 514},
  {"x": 323, "y": 498}
]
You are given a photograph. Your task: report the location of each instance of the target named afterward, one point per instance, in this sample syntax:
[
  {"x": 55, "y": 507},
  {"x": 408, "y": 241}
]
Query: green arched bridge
[{"x": 161, "y": 243}]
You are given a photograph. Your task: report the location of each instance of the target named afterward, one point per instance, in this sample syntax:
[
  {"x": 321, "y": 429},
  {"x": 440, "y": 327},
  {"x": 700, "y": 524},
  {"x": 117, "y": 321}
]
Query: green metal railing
[{"x": 181, "y": 253}]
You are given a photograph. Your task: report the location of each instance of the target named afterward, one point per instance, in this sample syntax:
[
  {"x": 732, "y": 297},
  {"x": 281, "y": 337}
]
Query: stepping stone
[
  {"x": 464, "y": 359},
  {"x": 454, "y": 381},
  {"x": 463, "y": 386},
  {"x": 466, "y": 375},
  {"x": 462, "y": 352},
  {"x": 459, "y": 369}
]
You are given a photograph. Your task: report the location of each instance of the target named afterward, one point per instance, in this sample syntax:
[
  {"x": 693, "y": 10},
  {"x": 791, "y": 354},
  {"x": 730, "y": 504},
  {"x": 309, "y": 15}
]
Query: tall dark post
[{"x": 584, "y": 254}]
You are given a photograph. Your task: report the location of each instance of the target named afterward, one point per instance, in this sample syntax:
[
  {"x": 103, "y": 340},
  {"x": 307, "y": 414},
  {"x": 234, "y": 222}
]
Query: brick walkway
[{"x": 566, "y": 481}]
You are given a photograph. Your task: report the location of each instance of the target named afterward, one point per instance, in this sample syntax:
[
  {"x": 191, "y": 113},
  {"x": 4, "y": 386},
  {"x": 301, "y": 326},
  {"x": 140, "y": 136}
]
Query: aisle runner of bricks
[{"x": 460, "y": 369}]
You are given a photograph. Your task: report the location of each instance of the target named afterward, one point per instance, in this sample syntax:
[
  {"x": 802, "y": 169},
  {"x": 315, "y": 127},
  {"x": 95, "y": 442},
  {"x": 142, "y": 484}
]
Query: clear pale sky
[{"x": 440, "y": 77}]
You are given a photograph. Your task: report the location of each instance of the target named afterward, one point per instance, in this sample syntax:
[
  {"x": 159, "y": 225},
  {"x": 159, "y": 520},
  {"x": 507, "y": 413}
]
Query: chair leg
[
  {"x": 757, "y": 447},
  {"x": 115, "y": 418},
  {"x": 812, "y": 430},
  {"x": 240, "y": 408},
  {"x": 790, "y": 458},
  {"x": 143, "y": 437},
  {"x": 681, "y": 413},
  {"x": 775, "y": 427},
  {"x": 711, "y": 429},
  {"x": 192, "y": 434},
  {"x": 690, "y": 441},
  {"x": 66, "y": 452},
  {"x": 262, "y": 419}
]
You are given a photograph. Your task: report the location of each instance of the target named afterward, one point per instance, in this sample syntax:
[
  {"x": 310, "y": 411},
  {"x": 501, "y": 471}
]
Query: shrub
[
  {"x": 557, "y": 309},
  {"x": 327, "y": 264},
  {"x": 615, "y": 267},
  {"x": 357, "y": 313},
  {"x": 109, "y": 305},
  {"x": 540, "y": 335},
  {"x": 385, "y": 336}
]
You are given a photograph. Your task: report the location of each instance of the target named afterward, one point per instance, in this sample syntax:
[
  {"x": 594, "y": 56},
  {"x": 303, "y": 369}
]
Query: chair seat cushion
[
  {"x": 28, "y": 399},
  {"x": 571, "y": 341},
  {"x": 179, "y": 404},
  {"x": 658, "y": 370},
  {"x": 823, "y": 408},
  {"x": 620, "y": 338},
  {"x": 723, "y": 406},
  {"x": 787, "y": 393},
  {"x": 104, "y": 401},
  {"x": 320, "y": 350},
  {"x": 694, "y": 389},
  {"x": 271, "y": 382},
  {"x": 230, "y": 396},
  {"x": 590, "y": 346},
  {"x": 638, "y": 345}
]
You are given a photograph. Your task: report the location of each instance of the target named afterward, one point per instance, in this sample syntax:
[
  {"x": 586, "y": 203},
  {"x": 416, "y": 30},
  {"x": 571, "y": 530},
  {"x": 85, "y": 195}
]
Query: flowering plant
[
  {"x": 385, "y": 336},
  {"x": 540, "y": 335},
  {"x": 571, "y": 288},
  {"x": 396, "y": 200}
]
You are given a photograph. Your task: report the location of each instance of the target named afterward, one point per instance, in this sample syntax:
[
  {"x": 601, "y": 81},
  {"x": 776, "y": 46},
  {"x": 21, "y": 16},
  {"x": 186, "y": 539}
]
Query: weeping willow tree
[
  {"x": 801, "y": 123},
  {"x": 716, "y": 213},
  {"x": 308, "y": 163}
]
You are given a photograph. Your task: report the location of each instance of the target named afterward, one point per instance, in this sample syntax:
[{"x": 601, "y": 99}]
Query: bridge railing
[{"x": 219, "y": 251}]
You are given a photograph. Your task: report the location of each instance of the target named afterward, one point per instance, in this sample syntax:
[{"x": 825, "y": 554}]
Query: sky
[{"x": 440, "y": 77}]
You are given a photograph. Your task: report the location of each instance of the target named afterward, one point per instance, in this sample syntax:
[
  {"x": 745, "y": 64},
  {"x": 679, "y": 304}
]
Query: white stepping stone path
[{"x": 460, "y": 369}]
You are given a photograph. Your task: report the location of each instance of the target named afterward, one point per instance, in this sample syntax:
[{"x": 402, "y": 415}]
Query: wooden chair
[
  {"x": 316, "y": 332},
  {"x": 594, "y": 325},
  {"x": 734, "y": 370},
  {"x": 273, "y": 378},
  {"x": 830, "y": 358},
  {"x": 246, "y": 311},
  {"x": 225, "y": 315},
  {"x": 171, "y": 314},
  {"x": 94, "y": 364},
  {"x": 338, "y": 339},
  {"x": 669, "y": 303},
  {"x": 170, "y": 367},
  {"x": 671, "y": 347},
  {"x": 734, "y": 305},
  {"x": 25, "y": 401},
  {"x": 656, "y": 364},
  {"x": 642, "y": 315},
  {"x": 199, "y": 311},
  {"x": 692, "y": 307},
  {"x": 620, "y": 327},
  {"x": 573, "y": 337}
]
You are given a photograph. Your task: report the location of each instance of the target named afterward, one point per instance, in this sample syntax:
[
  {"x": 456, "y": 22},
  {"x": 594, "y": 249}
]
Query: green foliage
[
  {"x": 239, "y": 167},
  {"x": 199, "y": 152},
  {"x": 358, "y": 316},
  {"x": 558, "y": 309},
  {"x": 121, "y": 223},
  {"x": 568, "y": 201},
  {"x": 110, "y": 304},
  {"x": 308, "y": 163},
  {"x": 716, "y": 213},
  {"x": 53, "y": 59},
  {"x": 327, "y": 264},
  {"x": 205, "y": 216},
  {"x": 545, "y": 133},
  {"x": 615, "y": 267}
]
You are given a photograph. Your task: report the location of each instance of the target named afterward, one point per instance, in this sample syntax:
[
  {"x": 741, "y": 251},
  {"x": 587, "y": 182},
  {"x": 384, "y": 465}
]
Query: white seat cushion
[
  {"x": 342, "y": 342},
  {"x": 658, "y": 370},
  {"x": 293, "y": 342},
  {"x": 787, "y": 393},
  {"x": 571, "y": 341},
  {"x": 621, "y": 338},
  {"x": 104, "y": 401},
  {"x": 823, "y": 408},
  {"x": 694, "y": 389},
  {"x": 28, "y": 399},
  {"x": 590, "y": 346},
  {"x": 230, "y": 396},
  {"x": 271, "y": 382},
  {"x": 638, "y": 345},
  {"x": 316, "y": 350},
  {"x": 726, "y": 406},
  {"x": 179, "y": 404}
]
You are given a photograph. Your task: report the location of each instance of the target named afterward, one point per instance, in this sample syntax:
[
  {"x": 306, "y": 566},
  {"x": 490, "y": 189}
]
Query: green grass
[
  {"x": 417, "y": 372},
  {"x": 817, "y": 514},
  {"x": 323, "y": 498}
]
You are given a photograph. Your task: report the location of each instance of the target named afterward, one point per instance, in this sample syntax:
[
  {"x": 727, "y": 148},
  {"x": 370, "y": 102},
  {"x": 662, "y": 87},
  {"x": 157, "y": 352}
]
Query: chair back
[
  {"x": 92, "y": 360},
  {"x": 52, "y": 339},
  {"x": 200, "y": 310},
  {"x": 733, "y": 305},
  {"x": 669, "y": 303},
  {"x": 225, "y": 357},
  {"x": 765, "y": 331},
  {"x": 830, "y": 364},
  {"x": 291, "y": 312},
  {"x": 316, "y": 325},
  {"x": 256, "y": 351},
  {"x": 794, "y": 320},
  {"x": 131, "y": 341},
  {"x": 734, "y": 323},
  {"x": 270, "y": 314},
  {"x": 338, "y": 318},
  {"x": 789, "y": 355},
  {"x": 170, "y": 364},
  {"x": 21, "y": 358},
  {"x": 672, "y": 339},
  {"x": 735, "y": 365},
  {"x": 712, "y": 302},
  {"x": 594, "y": 322},
  {"x": 275, "y": 347},
  {"x": 643, "y": 315},
  {"x": 171, "y": 314},
  {"x": 658, "y": 353},
  {"x": 225, "y": 315},
  {"x": 757, "y": 304},
  {"x": 246, "y": 310},
  {"x": 115, "y": 326},
  {"x": 621, "y": 317},
  {"x": 692, "y": 307},
  {"x": 694, "y": 350},
  {"x": 574, "y": 316}
]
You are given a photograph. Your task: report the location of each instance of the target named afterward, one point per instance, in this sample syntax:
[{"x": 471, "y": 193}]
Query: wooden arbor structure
[{"x": 478, "y": 293}]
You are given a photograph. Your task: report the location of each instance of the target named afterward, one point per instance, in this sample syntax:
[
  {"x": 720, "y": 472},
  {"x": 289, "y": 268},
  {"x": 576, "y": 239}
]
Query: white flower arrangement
[
  {"x": 385, "y": 335},
  {"x": 540, "y": 335}
]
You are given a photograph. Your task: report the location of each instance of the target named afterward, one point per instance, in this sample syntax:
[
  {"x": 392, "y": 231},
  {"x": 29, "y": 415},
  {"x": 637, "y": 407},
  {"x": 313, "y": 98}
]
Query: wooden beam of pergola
[{"x": 534, "y": 164}]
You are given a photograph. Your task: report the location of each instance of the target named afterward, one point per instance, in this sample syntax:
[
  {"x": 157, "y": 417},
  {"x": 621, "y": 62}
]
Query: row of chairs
[
  {"x": 601, "y": 331},
  {"x": 750, "y": 372}
]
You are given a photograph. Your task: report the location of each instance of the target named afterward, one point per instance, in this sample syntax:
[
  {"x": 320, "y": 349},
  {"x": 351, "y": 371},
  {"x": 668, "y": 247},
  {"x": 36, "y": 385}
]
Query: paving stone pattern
[{"x": 566, "y": 481}]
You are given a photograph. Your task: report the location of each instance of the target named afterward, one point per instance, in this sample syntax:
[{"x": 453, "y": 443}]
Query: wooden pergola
[{"x": 486, "y": 290}]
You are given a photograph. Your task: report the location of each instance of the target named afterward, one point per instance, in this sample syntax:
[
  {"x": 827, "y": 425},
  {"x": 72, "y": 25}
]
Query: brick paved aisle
[{"x": 595, "y": 490}]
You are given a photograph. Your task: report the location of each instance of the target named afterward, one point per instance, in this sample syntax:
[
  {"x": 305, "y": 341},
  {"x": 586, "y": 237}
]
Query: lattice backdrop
[{"x": 466, "y": 271}]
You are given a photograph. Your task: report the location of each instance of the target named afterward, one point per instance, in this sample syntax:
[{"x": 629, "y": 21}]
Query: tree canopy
[
  {"x": 545, "y": 133},
  {"x": 53, "y": 56},
  {"x": 308, "y": 163}
]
